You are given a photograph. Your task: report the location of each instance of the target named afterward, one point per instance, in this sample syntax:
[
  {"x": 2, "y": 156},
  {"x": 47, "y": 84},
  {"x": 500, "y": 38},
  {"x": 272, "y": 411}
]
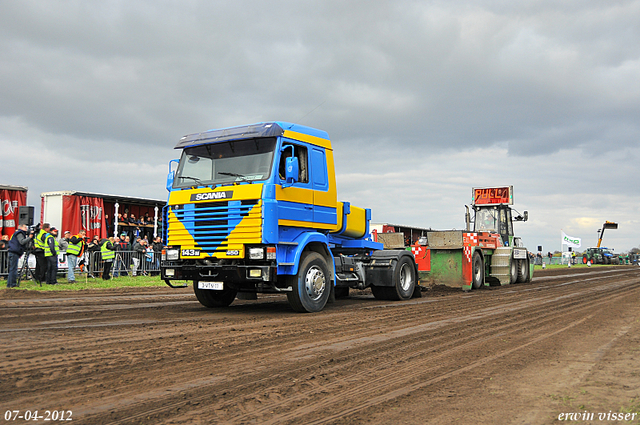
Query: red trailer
[{"x": 96, "y": 212}]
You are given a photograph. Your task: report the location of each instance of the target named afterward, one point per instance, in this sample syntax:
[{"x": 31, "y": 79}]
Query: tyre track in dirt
[
  {"x": 281, "y": 341},
  {"x": 370, "y": 387}
]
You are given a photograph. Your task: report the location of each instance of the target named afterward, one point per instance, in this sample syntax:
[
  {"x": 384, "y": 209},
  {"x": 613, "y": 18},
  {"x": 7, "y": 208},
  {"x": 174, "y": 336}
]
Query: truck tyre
[
  {"x": 584, "y": 259},
  {"x": 214, "y": 299},
  {"x": 477, "y": 271},
  {"x": 404, "y": 279},
  {"x": 523, "y": 271},
  {"x": 310, "y": 288},
  {"x": 513, "y": 270}
]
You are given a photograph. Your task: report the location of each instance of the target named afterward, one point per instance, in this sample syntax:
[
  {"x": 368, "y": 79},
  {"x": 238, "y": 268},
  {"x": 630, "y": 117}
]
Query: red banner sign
[
  {"x": 10, "y": 200},
  {"x": 83, "y": 212},
  {"x": 493, "y": 195}
]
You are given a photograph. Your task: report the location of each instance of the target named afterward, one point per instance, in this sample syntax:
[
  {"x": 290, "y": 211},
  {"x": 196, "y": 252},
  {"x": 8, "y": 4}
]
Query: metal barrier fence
[
  {"x": 4, "y": 262},
  {"x": 125, "y": 263},
  {"x": 557, "y": 260}
]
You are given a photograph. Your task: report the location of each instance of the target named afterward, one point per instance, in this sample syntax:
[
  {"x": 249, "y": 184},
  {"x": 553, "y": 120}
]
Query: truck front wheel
[
  {"x": 310, "y": 287},
  {"x": 212, "y": 298}
]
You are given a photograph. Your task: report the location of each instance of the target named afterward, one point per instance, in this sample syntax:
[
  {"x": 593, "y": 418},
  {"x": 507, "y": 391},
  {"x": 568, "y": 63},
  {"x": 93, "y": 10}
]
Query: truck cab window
[{"x": 301, "y": 153}]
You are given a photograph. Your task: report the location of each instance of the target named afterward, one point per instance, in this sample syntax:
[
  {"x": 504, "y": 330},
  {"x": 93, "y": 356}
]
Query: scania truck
[{"x": 254, "y": 209}]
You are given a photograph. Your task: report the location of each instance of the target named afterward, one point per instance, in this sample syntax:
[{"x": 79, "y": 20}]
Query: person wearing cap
[
  {"x": 51, "y": 255},
  {"x": 75, "y": 249},
  {"x": 63, "y": 243},
  {"x": 122, "y": 255}
]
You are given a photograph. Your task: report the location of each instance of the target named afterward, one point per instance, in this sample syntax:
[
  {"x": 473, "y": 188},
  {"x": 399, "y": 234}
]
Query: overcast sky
[{"x": 423, "y": 100}]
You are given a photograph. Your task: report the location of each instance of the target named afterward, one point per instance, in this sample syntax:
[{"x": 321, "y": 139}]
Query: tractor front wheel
[{"x": 478, "y": 271}]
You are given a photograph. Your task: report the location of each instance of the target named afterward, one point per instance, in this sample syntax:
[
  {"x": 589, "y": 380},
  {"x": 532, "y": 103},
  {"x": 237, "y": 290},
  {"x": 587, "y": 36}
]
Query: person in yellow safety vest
[
  {"x": 75, "y": 250},
  {"x": 38, "y": 251},
  {"x": 107, "y": 251},
  {"x": 51, "y": 255}
]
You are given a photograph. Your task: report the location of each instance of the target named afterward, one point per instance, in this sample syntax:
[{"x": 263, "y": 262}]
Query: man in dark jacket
[
  {"x": 122, "y": 256},
  {"x": 157, "y": 252},
  {"x": 139, "y": 250},
  {"x": 51, "y": 254},
  {"x": 38, "y": 251},
  {"x": 19, "y": 243}
]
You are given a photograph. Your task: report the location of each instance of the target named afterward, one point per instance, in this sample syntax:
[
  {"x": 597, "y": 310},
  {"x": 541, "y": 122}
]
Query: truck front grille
[{"x": 216, "y": 226}]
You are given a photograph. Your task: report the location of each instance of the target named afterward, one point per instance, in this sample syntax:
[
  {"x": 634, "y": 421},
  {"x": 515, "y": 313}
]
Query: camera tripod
[{"x": 25, "y": 272}]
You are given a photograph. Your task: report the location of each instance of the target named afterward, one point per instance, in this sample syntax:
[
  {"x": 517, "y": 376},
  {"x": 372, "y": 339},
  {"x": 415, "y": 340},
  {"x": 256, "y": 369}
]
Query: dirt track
[{"x": 567, "y": 342}]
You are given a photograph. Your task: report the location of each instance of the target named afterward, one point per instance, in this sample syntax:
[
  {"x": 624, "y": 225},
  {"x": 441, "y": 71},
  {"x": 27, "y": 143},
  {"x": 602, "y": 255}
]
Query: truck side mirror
[
  {"x": 526, "y": 215},
  {"x": 173, "y": 166},
  {"x": 170, "y": 178},
  {"x": 292, "y": 170}
]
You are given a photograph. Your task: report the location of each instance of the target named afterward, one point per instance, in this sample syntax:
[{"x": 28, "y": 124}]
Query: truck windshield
[
  {"x": 225, "y": 162},
  {"x": 486, "y": 220}
]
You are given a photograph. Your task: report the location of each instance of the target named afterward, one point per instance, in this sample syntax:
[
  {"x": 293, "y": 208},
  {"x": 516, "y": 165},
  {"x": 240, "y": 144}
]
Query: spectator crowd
[{"x": 134, "y": 252}]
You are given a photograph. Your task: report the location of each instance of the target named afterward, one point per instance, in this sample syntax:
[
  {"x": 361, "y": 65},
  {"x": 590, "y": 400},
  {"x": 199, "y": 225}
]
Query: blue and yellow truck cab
[{"x": 254, "y": 209}]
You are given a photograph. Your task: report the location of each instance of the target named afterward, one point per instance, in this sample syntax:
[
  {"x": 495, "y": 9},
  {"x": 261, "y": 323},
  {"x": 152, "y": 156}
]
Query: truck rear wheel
[
  {"x": 478, "y": 271},
  {"x": 310, "y": 287},
  {"x": 214, "y": 299},
  {"x": 404, "y": 280}
]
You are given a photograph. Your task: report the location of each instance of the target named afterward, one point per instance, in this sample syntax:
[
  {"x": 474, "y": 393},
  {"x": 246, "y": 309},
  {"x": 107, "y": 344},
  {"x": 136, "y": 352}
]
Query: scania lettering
[{"x": 254, "y": 209}]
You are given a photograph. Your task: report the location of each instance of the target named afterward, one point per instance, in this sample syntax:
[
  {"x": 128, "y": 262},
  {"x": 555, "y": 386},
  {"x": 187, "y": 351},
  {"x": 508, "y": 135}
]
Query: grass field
[{"x": 83, "y": 282}]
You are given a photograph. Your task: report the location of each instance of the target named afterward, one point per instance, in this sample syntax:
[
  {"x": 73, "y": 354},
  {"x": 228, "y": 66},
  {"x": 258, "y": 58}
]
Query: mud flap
[
  {"x": 332, "y": 295},
  {"x": 168, "y": 282}
]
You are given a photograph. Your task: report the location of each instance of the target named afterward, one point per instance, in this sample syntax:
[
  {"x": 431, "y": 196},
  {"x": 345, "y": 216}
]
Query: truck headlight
[
  {"x": 256, "y": 253},
  {"x": 173, "y": 254}
]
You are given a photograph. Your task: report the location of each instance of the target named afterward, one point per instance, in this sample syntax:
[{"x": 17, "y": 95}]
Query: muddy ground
[{"x": 568, "y": 342}]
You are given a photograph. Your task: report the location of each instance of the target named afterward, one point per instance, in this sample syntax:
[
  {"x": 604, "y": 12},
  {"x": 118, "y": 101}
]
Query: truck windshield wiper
[
  {"x": 194, "y": 179},
  {"x": 232, "y": 175}
]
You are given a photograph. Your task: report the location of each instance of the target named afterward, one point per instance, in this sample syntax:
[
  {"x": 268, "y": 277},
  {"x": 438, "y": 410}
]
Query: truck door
[
  {"x": 324, "y": 208},
  {"x": 295, "y": 201}
]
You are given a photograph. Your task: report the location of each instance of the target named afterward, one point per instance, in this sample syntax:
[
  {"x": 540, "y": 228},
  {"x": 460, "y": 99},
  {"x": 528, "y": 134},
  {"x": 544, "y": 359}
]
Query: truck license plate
[{"x": 217, "y": 286}]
